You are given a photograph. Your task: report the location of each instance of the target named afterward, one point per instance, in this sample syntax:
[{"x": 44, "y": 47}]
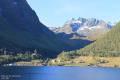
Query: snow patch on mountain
[{"x": 83, "y": 26}]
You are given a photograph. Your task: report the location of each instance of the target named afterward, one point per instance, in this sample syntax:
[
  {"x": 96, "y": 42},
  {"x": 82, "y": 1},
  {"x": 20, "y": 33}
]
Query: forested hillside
[
  {"x": 109, "y": 45},
  {"x": 21, "y": 30}
]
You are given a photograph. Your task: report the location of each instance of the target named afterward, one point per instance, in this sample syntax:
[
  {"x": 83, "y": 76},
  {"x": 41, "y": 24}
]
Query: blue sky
[{"x": 54, "y": 13}]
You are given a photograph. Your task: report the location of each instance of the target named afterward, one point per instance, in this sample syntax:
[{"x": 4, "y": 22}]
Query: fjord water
[{"x": 59, "y": 73}]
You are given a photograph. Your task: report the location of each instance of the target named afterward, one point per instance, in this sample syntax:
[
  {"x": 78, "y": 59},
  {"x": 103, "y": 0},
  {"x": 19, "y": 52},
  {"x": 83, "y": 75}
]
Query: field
[{"x": 88, "y": 61}]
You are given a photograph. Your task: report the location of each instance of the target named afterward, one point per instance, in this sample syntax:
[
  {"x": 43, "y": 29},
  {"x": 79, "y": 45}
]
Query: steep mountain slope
[
  {"x": 20, "y": 29},
  {"x": 109, "y": 45},
  {"x": 84, "y": 27}
]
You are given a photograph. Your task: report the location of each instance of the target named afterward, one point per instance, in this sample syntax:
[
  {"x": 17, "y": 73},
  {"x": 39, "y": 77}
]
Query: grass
[
  {"x": 88, "y": 61},
  {"x": 30, "y": 63}
]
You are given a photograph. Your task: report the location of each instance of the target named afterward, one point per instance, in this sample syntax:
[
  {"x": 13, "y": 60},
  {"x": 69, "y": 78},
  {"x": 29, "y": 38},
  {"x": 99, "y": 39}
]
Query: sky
[{"x": 54, "y": 13}]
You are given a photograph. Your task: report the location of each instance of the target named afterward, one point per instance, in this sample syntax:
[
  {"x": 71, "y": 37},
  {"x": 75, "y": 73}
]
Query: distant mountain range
[{"x": 91, "y": 27}]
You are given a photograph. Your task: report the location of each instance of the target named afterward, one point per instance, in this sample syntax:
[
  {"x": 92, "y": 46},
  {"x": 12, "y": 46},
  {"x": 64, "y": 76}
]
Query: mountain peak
[{"x": 84, "y": 26}]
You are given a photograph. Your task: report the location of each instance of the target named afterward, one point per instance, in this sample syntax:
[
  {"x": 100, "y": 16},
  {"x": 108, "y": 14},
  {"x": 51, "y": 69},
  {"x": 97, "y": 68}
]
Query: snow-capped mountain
[{"x": 84, "y": 27}]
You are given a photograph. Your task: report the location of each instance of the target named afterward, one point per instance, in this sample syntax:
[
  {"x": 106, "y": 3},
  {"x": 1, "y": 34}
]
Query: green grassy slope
[{"x": 108, "y": 45}]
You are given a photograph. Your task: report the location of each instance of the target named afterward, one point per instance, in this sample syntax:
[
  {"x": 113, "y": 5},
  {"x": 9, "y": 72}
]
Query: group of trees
[{"x": 9, "y": 57}]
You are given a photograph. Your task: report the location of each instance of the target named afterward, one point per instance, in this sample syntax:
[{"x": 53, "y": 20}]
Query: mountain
[
  {"x": 104, "y": 52},
  {"x": 21, "y": 30},
  {"x": 91, "y": 27},
  {"x": 108, "y": 45}
]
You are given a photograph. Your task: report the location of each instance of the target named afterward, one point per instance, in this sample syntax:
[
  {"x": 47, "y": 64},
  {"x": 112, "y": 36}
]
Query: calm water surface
[{"x": 59, "y": 73}]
